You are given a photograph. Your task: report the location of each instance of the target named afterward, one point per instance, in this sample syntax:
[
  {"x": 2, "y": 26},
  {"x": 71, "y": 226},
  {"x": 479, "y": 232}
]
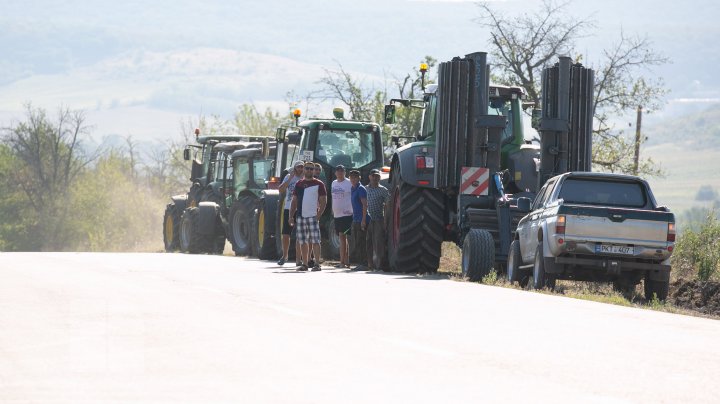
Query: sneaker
[
  {"x": 316, "y": 268},
  {"x": 281, "y": 262},
  {"x": 301, "y": 268},
  {"x": 341, "y": 266}
]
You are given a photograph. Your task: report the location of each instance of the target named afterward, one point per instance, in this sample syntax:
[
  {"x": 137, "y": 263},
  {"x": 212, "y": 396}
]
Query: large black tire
[
  {"x": 330, "y": 247},
  {"x": 657, "y": 289},
  {"x": 191, "y": 240},
  {"x": 240, "y": 225},
  {"x": 415, "y": 227},
  {"x": 264, "y": 222},
  {"x": 542, "y": 279},
  {"x": 478, "y": 254},
  {"x": 171, "y": 227}
]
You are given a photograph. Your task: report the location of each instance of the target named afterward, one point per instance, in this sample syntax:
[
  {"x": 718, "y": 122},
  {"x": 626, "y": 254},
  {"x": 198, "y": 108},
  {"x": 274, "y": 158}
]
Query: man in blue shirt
[{"x": 358, "y": 198}]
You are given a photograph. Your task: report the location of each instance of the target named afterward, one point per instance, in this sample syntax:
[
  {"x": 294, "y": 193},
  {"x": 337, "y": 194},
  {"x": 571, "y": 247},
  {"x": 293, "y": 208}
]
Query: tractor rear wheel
[
  {"x": 240, "y": 221},
  {"x": 171, "y": 227},
  {"x": 415, "y": 228},
  {"x": 264, "y": 227},
  {"x": 478, "y": 254}
]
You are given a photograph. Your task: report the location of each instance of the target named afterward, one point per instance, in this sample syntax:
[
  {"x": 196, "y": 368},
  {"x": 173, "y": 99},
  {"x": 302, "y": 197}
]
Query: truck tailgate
[{"x": 622, "y": 226}]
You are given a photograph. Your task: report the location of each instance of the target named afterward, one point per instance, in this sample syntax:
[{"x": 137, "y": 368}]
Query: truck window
[
  {"x": 539, "y": 197},
  {"x": 351, "y": 148},
  {"x": 603, "y": 192}
]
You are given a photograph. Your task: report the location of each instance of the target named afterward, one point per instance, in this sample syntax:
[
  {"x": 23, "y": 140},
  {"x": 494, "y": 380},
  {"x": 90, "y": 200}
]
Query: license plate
[{"x": 614, "y": 249}]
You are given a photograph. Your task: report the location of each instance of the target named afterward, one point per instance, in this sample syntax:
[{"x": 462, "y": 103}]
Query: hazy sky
[{"x": 138, "y": 67}]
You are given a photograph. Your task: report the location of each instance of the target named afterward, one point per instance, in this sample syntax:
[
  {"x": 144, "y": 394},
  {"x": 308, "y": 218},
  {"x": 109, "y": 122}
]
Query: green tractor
[
  {"x": 202, "y": 155},
  {"x": 330, "y": 142},
  {"x": 227, "y": 207},
  {"x": 470, "y": 175}
]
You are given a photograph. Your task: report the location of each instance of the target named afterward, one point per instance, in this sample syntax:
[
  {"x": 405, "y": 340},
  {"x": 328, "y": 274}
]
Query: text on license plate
[{"x": 614, "y": 249}]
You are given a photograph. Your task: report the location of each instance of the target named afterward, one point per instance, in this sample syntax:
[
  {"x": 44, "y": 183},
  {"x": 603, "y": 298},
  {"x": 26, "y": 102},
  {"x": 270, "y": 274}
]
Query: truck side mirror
[
  {"x": 186, "y": 154},
  {"x": 523, "y": 204},
  {"x": 536, "y": 117},
  {"x": 389, "y": 114}
]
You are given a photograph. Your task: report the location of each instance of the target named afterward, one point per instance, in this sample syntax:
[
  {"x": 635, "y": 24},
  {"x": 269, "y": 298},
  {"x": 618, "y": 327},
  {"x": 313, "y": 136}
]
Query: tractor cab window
[
  {"x": 351, "y": 148},
  {"x": 262, "y": 171},
  {"x": 220, "y": 172},
  {"x": 241, "y": 175},
  {"x": 428, "y": 127},
  {"x": 498, "y": 106}
]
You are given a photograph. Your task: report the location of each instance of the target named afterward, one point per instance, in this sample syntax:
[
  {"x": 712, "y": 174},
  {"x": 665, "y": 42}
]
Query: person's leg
[
  {"x": 380, "y": 244},
  {"x": 343, "y": 248},
  {"x": 314, "y": 239},
  {"x": 369, "y": 245},
  {"x": 298, "y": 252}
]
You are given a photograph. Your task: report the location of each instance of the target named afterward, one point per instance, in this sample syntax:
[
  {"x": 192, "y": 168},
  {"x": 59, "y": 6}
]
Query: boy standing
[
  {"x": 358, "y": 198},
  {"x": 341, "y": 190},
  {"x": 288, "y": 186}
]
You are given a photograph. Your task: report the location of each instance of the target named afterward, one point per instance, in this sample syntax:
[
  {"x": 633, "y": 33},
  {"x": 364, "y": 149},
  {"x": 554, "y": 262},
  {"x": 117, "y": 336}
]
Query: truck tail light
[
  {"x": 423, "y": 162},
  {"x": 671, "y": 232},
  {"x": 560, "y": 225}
]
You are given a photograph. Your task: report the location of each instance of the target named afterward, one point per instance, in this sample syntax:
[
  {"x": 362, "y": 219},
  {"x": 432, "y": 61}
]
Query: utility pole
[{"x": 636, "y": 162}]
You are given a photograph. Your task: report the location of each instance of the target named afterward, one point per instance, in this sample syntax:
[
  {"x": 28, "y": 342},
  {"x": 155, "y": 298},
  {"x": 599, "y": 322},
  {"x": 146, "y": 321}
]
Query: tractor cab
[{"x": 332, "y": 142}]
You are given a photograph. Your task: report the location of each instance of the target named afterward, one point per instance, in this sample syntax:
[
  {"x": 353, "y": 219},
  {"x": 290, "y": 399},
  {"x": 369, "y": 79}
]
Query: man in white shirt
[
  {"x": 341, "y": 190},
  {"x": 288, "y": 186}
]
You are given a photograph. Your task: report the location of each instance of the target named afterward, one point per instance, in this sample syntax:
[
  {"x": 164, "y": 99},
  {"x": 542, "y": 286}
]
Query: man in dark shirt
[
  {"x": 309, "y": 201},
  {"x": 377, "y": 196}
]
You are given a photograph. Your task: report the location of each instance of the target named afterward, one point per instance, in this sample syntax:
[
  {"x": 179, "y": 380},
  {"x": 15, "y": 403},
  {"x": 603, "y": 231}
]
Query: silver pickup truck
[{"x": 595, "y": 227}]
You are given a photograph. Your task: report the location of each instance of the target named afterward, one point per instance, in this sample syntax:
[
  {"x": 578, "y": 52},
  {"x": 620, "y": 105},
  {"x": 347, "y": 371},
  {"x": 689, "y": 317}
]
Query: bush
[{"x": 697, "y": 252}]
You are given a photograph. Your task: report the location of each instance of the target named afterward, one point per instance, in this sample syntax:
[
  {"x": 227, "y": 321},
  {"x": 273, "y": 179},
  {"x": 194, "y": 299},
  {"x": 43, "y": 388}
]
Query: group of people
[{"x": 358, "y": 214}]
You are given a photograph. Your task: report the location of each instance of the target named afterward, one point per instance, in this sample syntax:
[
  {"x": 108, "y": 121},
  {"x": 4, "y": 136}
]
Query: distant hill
[{"x": 700, "y": 129}]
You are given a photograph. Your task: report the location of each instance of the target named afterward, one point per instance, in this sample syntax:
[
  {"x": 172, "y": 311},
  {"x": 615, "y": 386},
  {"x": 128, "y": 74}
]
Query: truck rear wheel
[
  {"x": 240, "y": 225},
  {"x": 416, "y": 218},
  {"x": 171, "y": 227},
  {"x": 542, "y": 279},
  {"x": 658, "y": 289},
  {"x": 478, "y": 254}
]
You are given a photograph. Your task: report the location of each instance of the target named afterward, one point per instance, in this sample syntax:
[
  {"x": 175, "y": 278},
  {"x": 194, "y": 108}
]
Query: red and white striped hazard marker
[{"x": 474, "y": 181}]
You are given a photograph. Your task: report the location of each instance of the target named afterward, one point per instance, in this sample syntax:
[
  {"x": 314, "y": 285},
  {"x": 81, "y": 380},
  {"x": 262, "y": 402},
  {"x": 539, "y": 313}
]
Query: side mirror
[
  {"x": 396, "y": 140},
  {"x": 186, "y": 154},
  {"x": 389, "y": 114},
  {"x": 536, "y": 117},
  {"x": 280, "y": 134},
  {"x": 523, "y": 204}
]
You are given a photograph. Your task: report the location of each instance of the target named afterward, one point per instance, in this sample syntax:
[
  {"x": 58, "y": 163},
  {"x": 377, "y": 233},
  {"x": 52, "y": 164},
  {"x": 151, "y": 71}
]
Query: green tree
[
  {"x": 47, "y": 159},
  {"x": 523, "y": 45}
]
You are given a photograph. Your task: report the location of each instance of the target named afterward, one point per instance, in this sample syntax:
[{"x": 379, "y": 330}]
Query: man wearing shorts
[
  {"x": 308, "y": 201},
  {"x": 288, "y": 186},
  {"x": 358, "y": 197},
  {"x": 341, "y": 189}
]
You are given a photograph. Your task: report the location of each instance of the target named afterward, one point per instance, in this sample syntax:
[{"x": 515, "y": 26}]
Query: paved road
[{"x": 81, "y": 327}]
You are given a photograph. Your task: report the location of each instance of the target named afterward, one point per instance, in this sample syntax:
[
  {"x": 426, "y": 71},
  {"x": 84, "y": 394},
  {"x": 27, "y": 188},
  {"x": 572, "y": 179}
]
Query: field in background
[{"x": 686, "y": 168}]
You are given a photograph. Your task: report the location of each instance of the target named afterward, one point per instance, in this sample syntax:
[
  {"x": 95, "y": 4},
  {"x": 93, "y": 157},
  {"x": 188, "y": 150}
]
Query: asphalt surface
[{"x": 86, "y": 327}]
